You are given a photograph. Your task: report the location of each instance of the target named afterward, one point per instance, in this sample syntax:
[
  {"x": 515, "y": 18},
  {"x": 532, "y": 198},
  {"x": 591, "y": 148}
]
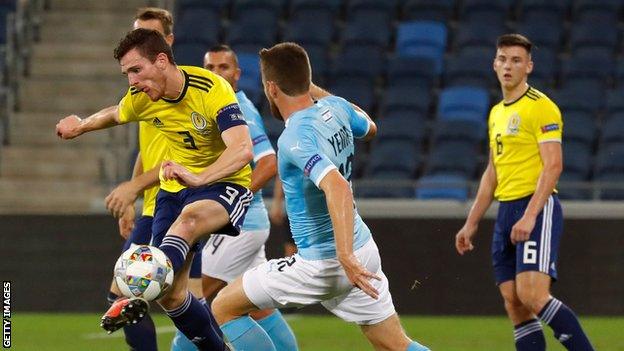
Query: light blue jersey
[
  {"x": 315, "y": 141},
  {"x": 257, "y": 217}
]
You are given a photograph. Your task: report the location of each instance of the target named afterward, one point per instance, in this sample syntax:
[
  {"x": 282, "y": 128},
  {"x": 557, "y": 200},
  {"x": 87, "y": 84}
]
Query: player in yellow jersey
[
  {"x": 205, "y": 177},
  {"x": 524, "y": 165}
]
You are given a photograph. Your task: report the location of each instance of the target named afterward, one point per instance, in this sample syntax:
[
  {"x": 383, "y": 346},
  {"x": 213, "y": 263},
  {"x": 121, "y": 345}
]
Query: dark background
[{"x": 64, "y": 263}]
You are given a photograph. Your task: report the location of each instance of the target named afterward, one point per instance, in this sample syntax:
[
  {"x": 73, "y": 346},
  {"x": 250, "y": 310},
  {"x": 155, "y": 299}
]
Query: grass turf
[{"x": 43, "y": 332}]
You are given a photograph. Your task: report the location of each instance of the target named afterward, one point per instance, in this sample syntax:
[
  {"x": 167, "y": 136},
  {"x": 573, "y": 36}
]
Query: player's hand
[
  {"x": 463, "y": 239},
  {"x": 126, "y": 222},
  {"x": 67, "y": 127},
  {"x": 174, "y": 171},
  {"x": 359, "y": 276},
  {"x": 521, "y": 231},
  {"x": 120, "y": 198}
]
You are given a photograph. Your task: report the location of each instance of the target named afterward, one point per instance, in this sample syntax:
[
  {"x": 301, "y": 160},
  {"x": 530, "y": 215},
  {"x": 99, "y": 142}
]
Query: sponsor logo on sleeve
[
  {"x": 310, "y": 164},
  {"x": 259, "y": 139},
  {"x": 550, "y": 128}
]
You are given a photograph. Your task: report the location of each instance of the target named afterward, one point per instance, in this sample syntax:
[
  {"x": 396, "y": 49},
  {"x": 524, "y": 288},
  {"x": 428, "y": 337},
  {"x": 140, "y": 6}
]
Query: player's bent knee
[
  {"x": 173, "y": 298},
  {"x": 533, "y": 299}
]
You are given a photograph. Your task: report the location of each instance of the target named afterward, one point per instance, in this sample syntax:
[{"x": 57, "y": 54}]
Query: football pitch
[{"x": 42, "y": 332}]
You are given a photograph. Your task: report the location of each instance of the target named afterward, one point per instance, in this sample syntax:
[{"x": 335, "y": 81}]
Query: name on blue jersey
[
  {"x": 340, "y": 140},
  {"x": 310, "y": 164}
]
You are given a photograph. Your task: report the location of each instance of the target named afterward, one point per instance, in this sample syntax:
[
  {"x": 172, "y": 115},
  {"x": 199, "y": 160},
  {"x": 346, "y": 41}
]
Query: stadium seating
[
  {"x": 442, "y": 186},
  {"x": 470, "y": 69},
  {"x": 399, "y": 98},
  {"x": 411, "y": 72},
  {"x": 613, "y": 131},
  {"x": 206, "y": 35},
  {"x": 428, "y": 10},
  {"x": 422, "y": 39},
  {"x": 465, "y": 103},
  {"x": 552, "y": 11},
  {"x": 402, "y": 127},
  {"x": 452, "y": 157},
  {"x": 579, "y": 126},
  {"x": 250, "y": 81}
]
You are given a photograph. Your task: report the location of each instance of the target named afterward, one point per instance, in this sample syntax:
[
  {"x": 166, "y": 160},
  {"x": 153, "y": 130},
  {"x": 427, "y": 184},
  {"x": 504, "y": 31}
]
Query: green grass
[{"x": 43, "y": 332}]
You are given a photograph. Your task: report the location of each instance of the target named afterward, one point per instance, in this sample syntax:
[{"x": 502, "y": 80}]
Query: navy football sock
[
  {"x": 529, "y": 336},
  {"x": 566, "y": 326},
  {"x": 176, "y": 250},
  {"x": 212, "y": 319},
  {"x": 140, "y": 336},
  {"x": 192, "y": 319}
]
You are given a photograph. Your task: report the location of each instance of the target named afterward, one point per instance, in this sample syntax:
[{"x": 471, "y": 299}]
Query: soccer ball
[{"x": 143, "y": 271}]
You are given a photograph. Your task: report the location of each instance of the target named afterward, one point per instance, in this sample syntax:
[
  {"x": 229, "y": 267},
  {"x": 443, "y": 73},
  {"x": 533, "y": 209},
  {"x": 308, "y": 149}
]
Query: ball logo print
[{"x": 143, "y": 271}]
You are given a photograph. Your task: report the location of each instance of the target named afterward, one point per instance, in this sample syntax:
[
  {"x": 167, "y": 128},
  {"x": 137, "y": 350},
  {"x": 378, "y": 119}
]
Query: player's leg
[
  {"x": 231, "y": 308},
  {"x": 142, "y": 335},
  {"x": 536, "y": 262},
  {"x": 224, "y": 259},
  {"x": 528, "y": 334},
  {"x": 376, "y": 317}
]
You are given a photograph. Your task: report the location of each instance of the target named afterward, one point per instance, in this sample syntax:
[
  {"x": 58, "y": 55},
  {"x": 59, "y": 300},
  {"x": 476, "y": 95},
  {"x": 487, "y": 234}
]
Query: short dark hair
[
  {"x": 155, "y": 13},
  {"x": 288, "y": 65},
  {"x": 148, "y": 42},
  {"x": 224, "y": 48},
  {"x": 514, "y": 39}
]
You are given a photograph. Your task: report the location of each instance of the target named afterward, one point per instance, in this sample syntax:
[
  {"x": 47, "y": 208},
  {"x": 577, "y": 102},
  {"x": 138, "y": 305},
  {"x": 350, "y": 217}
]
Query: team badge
[
  {"x": 199, "y": 122},
  {"x": 513, "y": 127}
]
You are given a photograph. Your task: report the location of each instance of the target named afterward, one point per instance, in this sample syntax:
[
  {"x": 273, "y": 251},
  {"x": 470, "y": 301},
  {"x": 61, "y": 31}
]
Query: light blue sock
[
  {"x": 280, "y": 333},
  {"x": 414, "y": 346},
  {"x": 246, "y": 335},
  {"x": 182, "y": 343}
]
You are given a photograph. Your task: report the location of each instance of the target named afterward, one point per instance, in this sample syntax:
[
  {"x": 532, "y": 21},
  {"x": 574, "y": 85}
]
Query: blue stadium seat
[
  {"x": 366, "y": 33},
  {"x": 402, "y": 155},
  {"x": 442, "y": 186},
  {"x": 187, "y": 30},
  {"x": 578, "y": 98},
  {"x": 319, "y": 62},
  {"x": 453, "y": 157},
  {"x": 478, "y": 34},
  {"x": 412, "y": 72},
  {"x": 612, "y": 131},
  {"x": 190, "y": 54},
  {"x": 610, "y": 168},
  {"x": 533, "y": 11},
  {"x": 429, "y": 10},
  {"x": 307, "y": 31},
  {"x": 361, "y": 94},
  {"x": 250, "y": 38},
  {"x": 250, "y": 81},
  {"x": 400, "y": 98},
  {"x": 593, "y": 35},
  {"x": 470, "y": 69},
  {"x": 375, "y": 12},
  {"x": 458, "y": 130},
  {"x": 544, "y": 68},
  {"x": 480, "y": 11},
  {"x": 182, "y": 6},
  {"x": 424, "y": 39},
  {"x": 257, "y": 11},
  {"x": 577, "y": 160},
  {"x": 402, "y": 127},
  {"x": 357, "y": 68},
  {"x": 615, "y": 101},
  {"x": 386, "y": 184},
  {"x": 544, "y": 35},
  {"x": 591, "y": 10},
  {"x": 298, "y": 7},
  {"x": 465, "y": 103},
  {"x": 579, "y": 126}
]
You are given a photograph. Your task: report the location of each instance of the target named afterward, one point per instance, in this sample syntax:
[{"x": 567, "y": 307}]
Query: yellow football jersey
[
  {"x": 152, "y": 146},
  {"x": 515, "y": 131},
  {"x": 190, "y": 123}
]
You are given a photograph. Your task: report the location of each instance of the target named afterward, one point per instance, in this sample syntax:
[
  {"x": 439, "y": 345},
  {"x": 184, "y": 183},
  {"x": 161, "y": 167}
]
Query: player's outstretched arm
[
  {"x": 73, "y": 126},
  {"x": 483, "y": 200},
  {"x": 237, "y": 154},
  {"x": 339, "y": 199}
]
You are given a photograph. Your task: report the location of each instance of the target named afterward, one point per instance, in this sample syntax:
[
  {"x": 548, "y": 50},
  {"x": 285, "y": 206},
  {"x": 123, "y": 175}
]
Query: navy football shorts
[{"x": 539, "y": 252}]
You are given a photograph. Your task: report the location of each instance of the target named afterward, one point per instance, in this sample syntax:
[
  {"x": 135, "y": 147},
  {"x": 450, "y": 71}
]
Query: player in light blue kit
[
  {"x": 338, "y": 263},
  {"x": 225, "y": 258}
]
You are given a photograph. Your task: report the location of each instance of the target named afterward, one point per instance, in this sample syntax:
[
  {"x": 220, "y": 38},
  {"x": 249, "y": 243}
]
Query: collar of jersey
[
  {"x": 181, "y": 96},
  {"x": 506, "y": 104}
]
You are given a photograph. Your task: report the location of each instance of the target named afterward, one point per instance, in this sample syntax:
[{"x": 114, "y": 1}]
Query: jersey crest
[
  {"x": 199, "y": 122},
  {"x": 513, "y": 127}
]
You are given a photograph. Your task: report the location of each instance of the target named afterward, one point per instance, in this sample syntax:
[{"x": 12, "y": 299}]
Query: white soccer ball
[{"x": 143, "y": 271}]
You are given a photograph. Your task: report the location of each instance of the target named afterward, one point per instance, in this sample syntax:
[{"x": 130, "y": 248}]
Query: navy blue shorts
[
  {"x": 141, "y": 234},
  {"x": 233, "y": 197},
  {"x": 539, "y": 252}
]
